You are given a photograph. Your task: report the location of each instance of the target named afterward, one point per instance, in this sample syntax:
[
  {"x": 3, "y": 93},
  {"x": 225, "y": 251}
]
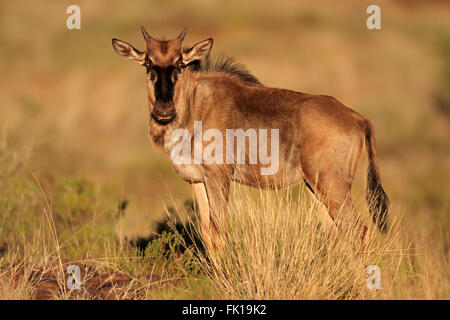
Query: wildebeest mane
[{"x": 228, "y": 65}]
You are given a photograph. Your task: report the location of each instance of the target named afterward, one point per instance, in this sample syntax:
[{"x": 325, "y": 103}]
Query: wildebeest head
[{"x": 164, "y": 60}]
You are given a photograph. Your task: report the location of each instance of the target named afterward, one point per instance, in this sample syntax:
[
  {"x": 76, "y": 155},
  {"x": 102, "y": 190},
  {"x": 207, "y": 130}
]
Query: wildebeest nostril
[{"x": 163, "y": 114}]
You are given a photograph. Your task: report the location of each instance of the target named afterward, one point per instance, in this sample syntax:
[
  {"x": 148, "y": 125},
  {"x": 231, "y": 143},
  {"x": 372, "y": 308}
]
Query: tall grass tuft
[{"x": 276, "y": 248}]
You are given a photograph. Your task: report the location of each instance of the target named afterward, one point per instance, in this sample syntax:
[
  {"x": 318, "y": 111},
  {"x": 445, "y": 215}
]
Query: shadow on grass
[{"x": 187, "y": 232}]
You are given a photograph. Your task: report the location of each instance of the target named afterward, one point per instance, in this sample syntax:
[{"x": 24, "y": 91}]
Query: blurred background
[{"x": 74, "y": 114}]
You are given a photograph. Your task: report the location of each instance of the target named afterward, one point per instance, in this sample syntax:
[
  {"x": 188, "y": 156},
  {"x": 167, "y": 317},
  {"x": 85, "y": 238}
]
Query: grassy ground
[{"x": 80, "y": 183}]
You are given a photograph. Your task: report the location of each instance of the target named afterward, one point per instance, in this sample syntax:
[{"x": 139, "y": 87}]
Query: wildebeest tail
[{"x": 377, "y": 199}]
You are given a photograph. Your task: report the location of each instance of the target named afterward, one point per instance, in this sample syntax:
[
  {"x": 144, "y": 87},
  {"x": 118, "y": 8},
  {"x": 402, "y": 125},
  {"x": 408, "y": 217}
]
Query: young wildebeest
[{"x": 320, "y": 140}]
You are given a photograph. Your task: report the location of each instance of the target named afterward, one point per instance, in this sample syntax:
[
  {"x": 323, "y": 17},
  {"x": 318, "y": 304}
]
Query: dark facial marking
[{"x": 165, "y": 81}]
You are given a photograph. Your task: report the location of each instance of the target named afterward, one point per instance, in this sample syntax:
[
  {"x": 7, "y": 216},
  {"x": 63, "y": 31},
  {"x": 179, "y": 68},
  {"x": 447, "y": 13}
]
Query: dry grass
[{"x": 277, "y": 249}]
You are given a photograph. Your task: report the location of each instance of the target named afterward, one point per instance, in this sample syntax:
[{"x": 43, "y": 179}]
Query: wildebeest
[{"x": 320, "y": 140}]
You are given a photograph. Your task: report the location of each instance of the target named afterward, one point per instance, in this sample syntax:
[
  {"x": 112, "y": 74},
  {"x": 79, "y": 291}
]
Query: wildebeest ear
[
  {"x": 198, "y": 51},
  {"x": 127, "y": 51}
]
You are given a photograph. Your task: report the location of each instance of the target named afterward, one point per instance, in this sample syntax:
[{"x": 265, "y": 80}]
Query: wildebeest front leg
[
  {"x": 201, "y": 198},
  {"x": 217, "y": 189}
]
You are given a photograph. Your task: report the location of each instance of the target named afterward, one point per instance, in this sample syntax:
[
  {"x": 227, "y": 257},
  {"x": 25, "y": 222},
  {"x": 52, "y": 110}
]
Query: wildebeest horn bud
[
  {"x": 145, "y": 33},
  {"x": 182, "y": 34}
]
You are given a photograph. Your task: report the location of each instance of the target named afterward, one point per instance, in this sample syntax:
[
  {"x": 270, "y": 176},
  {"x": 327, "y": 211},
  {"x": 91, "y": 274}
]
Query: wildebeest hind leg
[
  {"x": 336, "y": 195},
  {"x": 323, "y": 213}
]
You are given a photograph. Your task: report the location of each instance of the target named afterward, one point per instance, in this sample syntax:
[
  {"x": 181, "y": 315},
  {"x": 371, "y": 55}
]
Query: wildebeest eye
[
  {"x": 172, "y": 72},
  {"x": 179, "y": 64},
  {"x": 147, "y": 64},
  {"x": 153, "y": 75}
]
